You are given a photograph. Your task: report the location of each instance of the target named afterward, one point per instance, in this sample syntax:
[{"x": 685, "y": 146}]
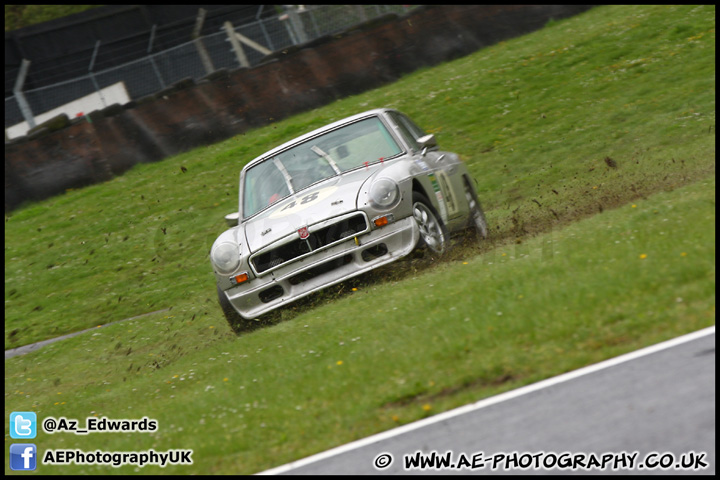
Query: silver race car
[{"x": 335, "y": 203}]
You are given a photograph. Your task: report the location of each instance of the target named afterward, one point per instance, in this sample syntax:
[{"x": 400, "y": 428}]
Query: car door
[{"x": 443, "y": 171}]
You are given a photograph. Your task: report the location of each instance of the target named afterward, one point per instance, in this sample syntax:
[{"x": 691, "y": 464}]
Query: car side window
[
  {"x": 410, "y": 125},
  {"x": 408, "y": 130}
]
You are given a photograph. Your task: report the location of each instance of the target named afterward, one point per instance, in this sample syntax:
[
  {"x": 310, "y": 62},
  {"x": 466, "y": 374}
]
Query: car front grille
[{"x": 321, "y": 236}]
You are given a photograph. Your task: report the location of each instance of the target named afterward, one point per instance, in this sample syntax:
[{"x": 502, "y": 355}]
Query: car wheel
[
  {"x": 476, "y": 219},
  {"x": 237, "y": 322},
  {"x": 432, "y": 231}
]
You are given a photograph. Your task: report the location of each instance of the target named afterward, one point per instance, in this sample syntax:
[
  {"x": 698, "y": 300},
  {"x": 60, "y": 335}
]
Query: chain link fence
[{"x": 195, "y": 59}]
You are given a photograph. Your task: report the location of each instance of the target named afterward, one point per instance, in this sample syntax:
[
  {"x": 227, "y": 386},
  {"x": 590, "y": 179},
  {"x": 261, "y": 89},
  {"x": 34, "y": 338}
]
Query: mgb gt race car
[{"x": 335, "y": 203}]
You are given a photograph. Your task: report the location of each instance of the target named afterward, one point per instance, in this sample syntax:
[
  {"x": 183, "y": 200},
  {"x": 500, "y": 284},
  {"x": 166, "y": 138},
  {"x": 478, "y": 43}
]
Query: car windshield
[{"x": 358, "y": 144}]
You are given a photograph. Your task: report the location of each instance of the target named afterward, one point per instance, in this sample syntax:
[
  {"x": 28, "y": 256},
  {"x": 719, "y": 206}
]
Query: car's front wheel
[
  {"x": 432, "y": 231},
  {"x": 237, "y": 322},
  {"x": 477, "y": 216}
]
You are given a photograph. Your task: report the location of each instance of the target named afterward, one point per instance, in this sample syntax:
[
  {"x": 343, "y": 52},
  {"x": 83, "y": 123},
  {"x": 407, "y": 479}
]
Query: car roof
[{"x": 331, "y": 126}]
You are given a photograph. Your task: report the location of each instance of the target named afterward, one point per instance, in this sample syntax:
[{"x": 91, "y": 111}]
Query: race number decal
[{"x": 302, "y": 201}]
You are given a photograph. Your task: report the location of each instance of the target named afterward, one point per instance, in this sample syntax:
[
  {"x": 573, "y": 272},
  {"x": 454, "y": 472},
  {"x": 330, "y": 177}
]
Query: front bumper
[{"x": 345, "y": 260}]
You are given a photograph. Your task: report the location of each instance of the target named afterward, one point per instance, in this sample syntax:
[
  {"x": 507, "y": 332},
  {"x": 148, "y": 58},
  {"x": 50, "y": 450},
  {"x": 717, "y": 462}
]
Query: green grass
[
  {"x": 534, "y": 118},
  {"x": 572, "y": 274},
  {"x": 390, "y": 352}
]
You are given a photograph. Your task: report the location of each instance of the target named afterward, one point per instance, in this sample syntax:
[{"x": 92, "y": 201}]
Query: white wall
[{"x": 113, "y": 94}]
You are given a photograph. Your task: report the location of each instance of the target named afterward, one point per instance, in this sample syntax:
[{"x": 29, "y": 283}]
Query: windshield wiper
[
  {"x": 286, "y": 175},
  {"x": 327, "y": 158}
]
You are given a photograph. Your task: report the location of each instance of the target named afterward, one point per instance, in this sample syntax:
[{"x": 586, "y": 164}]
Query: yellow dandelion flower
[
  {"x": 683, "y": 254},
  {"x": 395, "y": 418},
  {"x": 339, "y": 362},
  {"x": 427, "y": 407},
  {"x": 634, "y": 206},
  {"x": 643, "y": 256},
  {"x": 225, "y": 379}
]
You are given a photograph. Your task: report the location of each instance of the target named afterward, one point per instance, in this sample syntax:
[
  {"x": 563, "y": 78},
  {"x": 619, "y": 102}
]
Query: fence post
[
  {"x": 202, "y": 51},
  {"x": 262, "y": 27},
  {"x": 92, "y": 75},
  {"x": 237, "y": 48},
  {"x": 152, "y": 58},
  {"x": 297, "y": 24},
  {"x": 20, "y": 96}
]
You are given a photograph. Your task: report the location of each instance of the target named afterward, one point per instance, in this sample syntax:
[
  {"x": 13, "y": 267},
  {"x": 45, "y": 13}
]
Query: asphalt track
[{"x": 657, "y": 403}]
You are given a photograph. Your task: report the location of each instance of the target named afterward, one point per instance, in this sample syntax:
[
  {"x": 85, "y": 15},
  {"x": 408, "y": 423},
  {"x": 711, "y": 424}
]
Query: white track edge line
[{"x": 492, "y": 400}]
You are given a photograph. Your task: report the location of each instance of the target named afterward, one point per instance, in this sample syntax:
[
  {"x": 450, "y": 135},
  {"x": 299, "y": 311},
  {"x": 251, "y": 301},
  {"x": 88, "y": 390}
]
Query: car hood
[{"x": 329, "y": 198}]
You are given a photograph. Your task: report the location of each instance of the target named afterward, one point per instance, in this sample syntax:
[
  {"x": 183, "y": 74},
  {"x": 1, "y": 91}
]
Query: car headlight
[
  {"x": 384, "y": 193},
  {"x": 226, "y": 257}
]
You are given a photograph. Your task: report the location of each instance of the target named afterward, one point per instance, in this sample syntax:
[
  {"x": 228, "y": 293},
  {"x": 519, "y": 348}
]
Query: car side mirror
[
  {"x": 232, "y": 219},
  {"x": 426, "y": 142}
]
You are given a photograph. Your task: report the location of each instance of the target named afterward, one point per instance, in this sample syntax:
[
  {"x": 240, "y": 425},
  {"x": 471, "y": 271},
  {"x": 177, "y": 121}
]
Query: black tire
[
  {"x": 237, "y": 322},
  {"x": 476, "y": 220},
  {"x": 433, "y": 233}
]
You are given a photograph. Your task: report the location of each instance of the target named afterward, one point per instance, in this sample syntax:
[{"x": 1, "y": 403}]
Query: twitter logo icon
[{"x": 23, "y": 425}]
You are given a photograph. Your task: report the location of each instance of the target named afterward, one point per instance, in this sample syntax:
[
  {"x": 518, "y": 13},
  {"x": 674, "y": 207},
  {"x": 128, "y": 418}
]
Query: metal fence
[{"x": 194, "y": 59}]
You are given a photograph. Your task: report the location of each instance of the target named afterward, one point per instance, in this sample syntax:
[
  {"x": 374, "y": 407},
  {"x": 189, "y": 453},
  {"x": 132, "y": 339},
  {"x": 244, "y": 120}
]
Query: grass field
[{"x": 593, "y": 143}]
